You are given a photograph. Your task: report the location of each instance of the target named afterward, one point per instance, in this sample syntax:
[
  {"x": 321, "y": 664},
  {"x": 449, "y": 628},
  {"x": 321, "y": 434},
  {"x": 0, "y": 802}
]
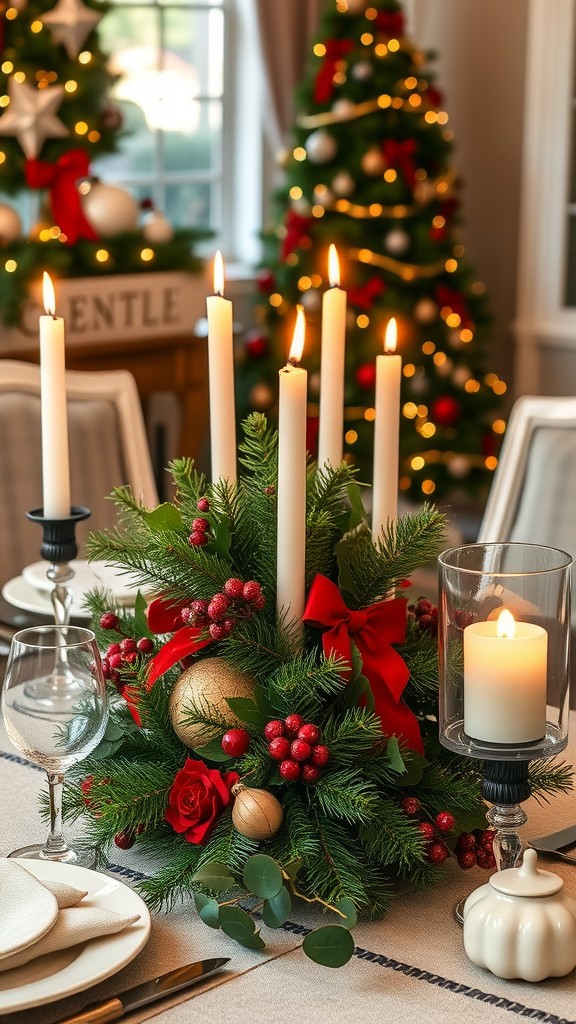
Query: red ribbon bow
[
  {"x": 336, "y": 49},
  {"x": 296, "y": 229},
  {"x": 373, "y": 630},
  {"x": 364, "y": 296},
  {"x": 400, "y": 155},
  {"x": 165, "y": 617},
  {"x": 61, "y": 179},
  {"x": 390, "y": 23},
  {"x": 455, "y": 300}
]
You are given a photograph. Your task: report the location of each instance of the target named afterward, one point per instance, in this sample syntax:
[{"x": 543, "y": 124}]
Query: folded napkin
[{"x": 71, "y": 923}]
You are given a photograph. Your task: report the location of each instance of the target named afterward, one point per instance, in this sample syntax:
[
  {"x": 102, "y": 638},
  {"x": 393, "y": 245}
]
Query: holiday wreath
[{"x": 263, "y": 759}]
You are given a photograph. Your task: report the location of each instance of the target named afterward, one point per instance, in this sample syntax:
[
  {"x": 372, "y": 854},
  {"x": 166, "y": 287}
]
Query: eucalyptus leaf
[
  {"x": 345, "y": 906},
  {"x": 291, "y": 870},
  {"x": 276, "y": 911},
  {"x": 245, "y": 709},
  {"x": 239, "y": 925},
  {"x": 263, "y": 876},
  {"x": 208, "y": 909},
  {"x": 163, "y": 518},
  {"x": 394, "y": 756},
  {"x": 214, "y": 875},
  {"x": 330, "y": 946}
]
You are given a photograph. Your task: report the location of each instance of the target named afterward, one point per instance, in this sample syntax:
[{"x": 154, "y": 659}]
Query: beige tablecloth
[{"x": 409, "y": 966}]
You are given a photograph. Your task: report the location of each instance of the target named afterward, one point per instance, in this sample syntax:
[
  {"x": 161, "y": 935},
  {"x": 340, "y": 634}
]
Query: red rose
[{"x": 197, "y": 798}]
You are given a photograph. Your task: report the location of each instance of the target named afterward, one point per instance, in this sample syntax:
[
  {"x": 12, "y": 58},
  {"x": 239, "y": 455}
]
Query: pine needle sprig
[
  {"x": 298, "y": 838},
  {"x": 190, "y": 485},
  {"x": 327, "y": 513},
  {"x": 547, "y": 778},
  {"x": 345, "y": 795},
  {"x": 352, "y": 736},
  {"x": 258, "y": 646},
  {"x": 341, "y": 869},
  {"x": 173, "y": 882},
  {"x": 227, "y": 846},
  {"x": 305, "y": 684},
  {"x": 420, "y": 652},
  {"x": 258, "y": 451},
  {"x": 393, "y": 839}
]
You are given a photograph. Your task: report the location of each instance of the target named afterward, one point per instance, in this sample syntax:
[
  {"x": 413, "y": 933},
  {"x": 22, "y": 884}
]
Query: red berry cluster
[
  {"x": 122, "y": 653},
  {"x": 200, "y": 526},
  {"x": 296, "y": 745},
  {"x": 425, "y": 614},
  {"x": 432, "y": 833},
  {"x": 476, "y": 848},
  {"x": 220, "y": 614}
]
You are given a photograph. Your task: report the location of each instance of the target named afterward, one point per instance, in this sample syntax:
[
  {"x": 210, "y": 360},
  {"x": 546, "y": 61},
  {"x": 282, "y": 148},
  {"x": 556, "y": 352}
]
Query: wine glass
[{"x": 55, "y": 709}]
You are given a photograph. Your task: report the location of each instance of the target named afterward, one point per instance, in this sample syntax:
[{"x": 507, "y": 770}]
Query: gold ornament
[
  {"x": 372, "y": 162},
  {"x": 70, "y": 23},
  {"x": 256, "y": 813},
  {"x": 206, "y": 684},
  {"x": 31, "y": 116},
  {"x": 109, "y": 209}
]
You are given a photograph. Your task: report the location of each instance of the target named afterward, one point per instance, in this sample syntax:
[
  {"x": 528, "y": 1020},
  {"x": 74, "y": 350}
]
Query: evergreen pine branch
[
  {"x": 352, "y": 737},
  {"x": 227, "y": 846},
  {"x": 327, "y": 511},
  {"x": 369, "y": 572},
  {"x": 393, "y": 839},
  {"x": 420, "y": 652},
  {"x": 347, "y": 796},
  {"x": 259, "y": 646},
  {"x": 549, "y": 778},
  {"x": 305, "y": 684},
  {"x": 298, "y": 838},
  {"x": 174, "y": 880},
  {"x": 341, "y": 869},
  {"x": 256, "y": 764},
  {"x": 190, "y": 485},
  {"x": 258, "y": 451}
]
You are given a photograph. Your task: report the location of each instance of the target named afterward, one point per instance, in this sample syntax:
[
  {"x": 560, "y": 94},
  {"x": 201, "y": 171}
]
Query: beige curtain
[{"x": 286, "y": 28}]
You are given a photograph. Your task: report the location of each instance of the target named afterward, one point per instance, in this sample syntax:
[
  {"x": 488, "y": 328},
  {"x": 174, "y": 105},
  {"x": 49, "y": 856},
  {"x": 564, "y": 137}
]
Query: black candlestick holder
[{"x": 59, "y": 548}]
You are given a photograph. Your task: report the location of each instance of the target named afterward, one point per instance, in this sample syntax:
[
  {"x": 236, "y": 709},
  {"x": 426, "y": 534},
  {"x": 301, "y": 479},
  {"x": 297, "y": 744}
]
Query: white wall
[{"x": 481, "y": 46}]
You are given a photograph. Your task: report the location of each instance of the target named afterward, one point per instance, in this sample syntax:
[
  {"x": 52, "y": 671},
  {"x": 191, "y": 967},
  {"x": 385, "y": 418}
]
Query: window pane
[
  {"x": 189, "y": 204},
  {"x": 194, "y": 144}
]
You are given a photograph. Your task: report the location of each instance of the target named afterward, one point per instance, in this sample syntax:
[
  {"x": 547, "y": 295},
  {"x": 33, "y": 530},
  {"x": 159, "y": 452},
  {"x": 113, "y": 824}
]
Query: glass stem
[
  {"x": 508, "y": 848},
  {"x": 55, "y": 846}
]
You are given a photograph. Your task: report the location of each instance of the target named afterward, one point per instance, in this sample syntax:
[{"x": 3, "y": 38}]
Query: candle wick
[
  {"x": 292, "y": 361},
  {"x": 219, "y": 294}
]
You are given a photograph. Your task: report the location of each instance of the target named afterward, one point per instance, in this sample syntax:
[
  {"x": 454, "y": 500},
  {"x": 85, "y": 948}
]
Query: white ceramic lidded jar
[{"x": 521, "y": 925}]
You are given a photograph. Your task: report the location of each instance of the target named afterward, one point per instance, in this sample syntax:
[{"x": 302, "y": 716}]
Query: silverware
[
  {"x": 148, "y": 992},
  {"x": 557, "y": 844}
]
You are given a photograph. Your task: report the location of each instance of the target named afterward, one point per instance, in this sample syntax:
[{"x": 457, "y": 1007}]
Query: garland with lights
[
  {"x": 55, "y": 118},
  {"x": 369, "y": 169},
  {"x": 262, "y": 760}
]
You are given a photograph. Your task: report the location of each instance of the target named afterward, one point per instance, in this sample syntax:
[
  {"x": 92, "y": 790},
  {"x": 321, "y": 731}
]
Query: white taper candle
[
  {"x": 291, "y": 538},
  {"x": 386, "y": 434},
  {"x": 221, "y": 379},
  {"x": 55, "y": 458},
  {"x": 332, "y": 367}
]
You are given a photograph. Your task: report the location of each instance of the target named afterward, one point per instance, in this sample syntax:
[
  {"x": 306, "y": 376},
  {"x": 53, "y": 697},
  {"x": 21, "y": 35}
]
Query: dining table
[{"x": 409, "y": 965}]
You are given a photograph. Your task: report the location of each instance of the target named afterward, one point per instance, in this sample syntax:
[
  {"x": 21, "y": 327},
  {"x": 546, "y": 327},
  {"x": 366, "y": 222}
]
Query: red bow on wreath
[
  {"x": 400, "y": 155},
  {"x": 364, "y": 296},
  {"x": 296, "y": 229},
  {"x": 373, "y": 630},
  {"x": 390, "y": 23},
  {"x": 455, "y": 300},
  {"x": 61, "y": 179},
  {"x": 336, "y": 49},
  {"x": 165, "y": 617}
]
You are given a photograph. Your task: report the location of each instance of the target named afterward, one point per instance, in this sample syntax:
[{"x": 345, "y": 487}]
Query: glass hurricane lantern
[{"x": 504, "y": 647}]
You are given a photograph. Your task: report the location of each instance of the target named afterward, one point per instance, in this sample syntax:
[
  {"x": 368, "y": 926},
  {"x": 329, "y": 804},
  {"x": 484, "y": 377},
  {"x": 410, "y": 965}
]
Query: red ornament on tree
[
  {"x": 445, "y": 411},
  {"x": 266, "y": 280},
  {"x": 366, "y": 376},
  {"x": 256, "y": 344}
]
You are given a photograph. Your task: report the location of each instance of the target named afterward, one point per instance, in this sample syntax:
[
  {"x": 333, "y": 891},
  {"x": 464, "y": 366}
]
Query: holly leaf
[
  {"x": 356, "y": 659},
  {"x": 357, "y": 510},
  {"x": 140, "y": 620},
  {"x": 467, "y": 821},
  {"x": 395, "y": 758},
  {"x": 276, "y": 910},
  {"x": 214, "y": 875},
  {"x": 212, "y": 751},
  {"x": 239, "y": 925},
  {"x": 262, "y": 700},
  {"x": 163, "y": 519},
  {"x": 263, "y": 876},
  {"x": 221, "y": 539},
  {"x": 346, "y": 907},
  {"x": 246, "y": 710},
  {"x": 414, "y": 765},
  {"x": 355, "y": 691},
  {"x": 330, "y": 946},
  {"x": 208, "y": 909}
]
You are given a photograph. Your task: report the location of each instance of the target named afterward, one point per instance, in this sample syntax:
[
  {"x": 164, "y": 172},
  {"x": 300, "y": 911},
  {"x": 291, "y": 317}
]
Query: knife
[
  {"x": 556, "y": 843},
  {"x": 166, "y": 985}
]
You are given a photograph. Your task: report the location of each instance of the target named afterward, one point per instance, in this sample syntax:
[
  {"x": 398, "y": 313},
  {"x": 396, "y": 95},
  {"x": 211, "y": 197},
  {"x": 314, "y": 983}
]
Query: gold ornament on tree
[
  {"x": 109, "y": 209},
  {"x": 256, "y": 813},
  {"x": 206, "y": 685},
  {"x": 70, "y": 23},
  {"x": 31, "y": 116}
]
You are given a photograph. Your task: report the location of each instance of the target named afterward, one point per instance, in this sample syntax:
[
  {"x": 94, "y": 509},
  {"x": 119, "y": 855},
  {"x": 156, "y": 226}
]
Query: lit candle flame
[
  {"x": 48, "y": 295},
  {"x": 333, "y": 267},
  {"x": 391, "y": 336},
  {"x": 218, "y": 274},
  {"x": 506, "y": 624},
  {"x": 297, "y": 346}
]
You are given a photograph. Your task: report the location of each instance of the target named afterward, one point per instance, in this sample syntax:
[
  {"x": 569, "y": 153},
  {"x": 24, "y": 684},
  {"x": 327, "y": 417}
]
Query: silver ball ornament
[
  {"x": 397, "y": 241},
  {"x": 419, "y": 386},
  {"x": 362, "y": 71},
  {"x": 343, "y": 109},
  {"x": 311, "y": 300},
  {"x": 261, "y": 397},
  {"x": 425, "y": 311},
  {"x": 461, "y": 375},
  {"x": 321, "y": 147},
  {"x": 459, "y": 466},
  {"x": 343, "y": 184},
  {"x": 157, "y": 228},
  {"x": 372, "y": 163},
  {"x": 302, "y": 207}
]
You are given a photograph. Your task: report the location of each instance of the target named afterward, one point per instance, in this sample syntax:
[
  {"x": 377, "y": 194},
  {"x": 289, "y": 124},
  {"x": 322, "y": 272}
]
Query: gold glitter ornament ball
[
  {"x": 256, "y": 813},
  {"x": 207, "y": 683}
]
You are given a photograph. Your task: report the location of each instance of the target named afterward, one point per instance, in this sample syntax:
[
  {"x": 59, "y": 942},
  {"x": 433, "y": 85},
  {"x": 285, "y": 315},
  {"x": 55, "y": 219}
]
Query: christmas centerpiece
[{"x": 262, "y": 756}]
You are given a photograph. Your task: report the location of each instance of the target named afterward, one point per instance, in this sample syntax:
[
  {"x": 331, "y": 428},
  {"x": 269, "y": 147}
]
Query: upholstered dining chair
[
  {"x": 108, "y": 448},
  {"x": 533, "y": 494}
]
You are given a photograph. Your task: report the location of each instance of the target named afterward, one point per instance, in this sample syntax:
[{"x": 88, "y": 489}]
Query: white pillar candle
[
  {"x": 386, "y": 434},
  {"x": 505, "y": 673},
  {"x": 332, "y": 367},
  {"x": 291, "y": 540},
  {"x": 55, "y": 459},
  {"x": 221, "y": 379}
]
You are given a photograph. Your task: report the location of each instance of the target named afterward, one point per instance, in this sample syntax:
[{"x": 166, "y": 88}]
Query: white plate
[
  {"x": 60, "y": 974},
  {"x": 22, "y": 595},
  {"x": 87, "y": 576}
]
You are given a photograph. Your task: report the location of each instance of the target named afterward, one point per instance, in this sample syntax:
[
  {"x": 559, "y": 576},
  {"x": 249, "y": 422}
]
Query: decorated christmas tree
[
  {"x": 369, "y": 169},
  {"x": 56, "y": 118}
]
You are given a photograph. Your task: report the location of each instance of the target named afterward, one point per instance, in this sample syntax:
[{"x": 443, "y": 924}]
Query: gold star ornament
[
  {"x": 70, "y": 23},
  {"x": 31, "y": 116}
]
